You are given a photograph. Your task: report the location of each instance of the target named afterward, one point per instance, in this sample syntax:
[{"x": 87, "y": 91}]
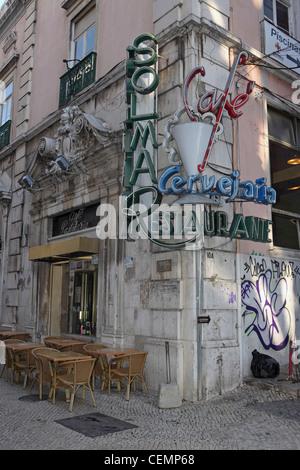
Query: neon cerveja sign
[
  {"x": 194, "y": 141},
  {"x": 227, "y": 186}
]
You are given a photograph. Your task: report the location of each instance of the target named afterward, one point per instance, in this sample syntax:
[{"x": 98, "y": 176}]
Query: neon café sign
[{"x": 194, "y": 141}]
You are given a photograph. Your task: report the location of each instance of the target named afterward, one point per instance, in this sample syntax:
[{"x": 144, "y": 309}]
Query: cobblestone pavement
[{"x": 248, "y": 418}]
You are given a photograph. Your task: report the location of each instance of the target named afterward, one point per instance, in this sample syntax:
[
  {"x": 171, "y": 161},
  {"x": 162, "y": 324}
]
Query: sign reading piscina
[{"x": 281, "y": 47}]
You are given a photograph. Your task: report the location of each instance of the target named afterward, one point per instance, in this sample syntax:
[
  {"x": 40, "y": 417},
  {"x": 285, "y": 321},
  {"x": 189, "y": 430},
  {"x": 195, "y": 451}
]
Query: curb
[{"x": 282, "y": 383}]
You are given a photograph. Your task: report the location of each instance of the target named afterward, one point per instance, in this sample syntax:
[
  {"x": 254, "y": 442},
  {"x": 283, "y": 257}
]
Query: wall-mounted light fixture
[
  {"x": 28, "y": 181},
  {"x": 63, "y": 163}
]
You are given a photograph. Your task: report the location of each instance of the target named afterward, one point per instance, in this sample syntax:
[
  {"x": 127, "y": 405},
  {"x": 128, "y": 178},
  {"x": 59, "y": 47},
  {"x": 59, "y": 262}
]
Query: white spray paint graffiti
[{"x": 270, "y": 297}]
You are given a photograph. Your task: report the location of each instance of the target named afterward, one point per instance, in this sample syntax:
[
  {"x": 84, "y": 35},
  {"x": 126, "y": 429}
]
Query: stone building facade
[{"x": 68, "y": 154}]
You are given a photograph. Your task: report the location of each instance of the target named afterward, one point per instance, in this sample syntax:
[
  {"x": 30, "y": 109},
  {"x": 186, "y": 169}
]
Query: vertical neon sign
[{"x": 140, "y": 62}]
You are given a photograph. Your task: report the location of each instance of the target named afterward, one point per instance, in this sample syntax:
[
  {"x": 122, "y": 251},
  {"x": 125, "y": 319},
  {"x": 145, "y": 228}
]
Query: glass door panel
[{"x": 82, "y": 299}]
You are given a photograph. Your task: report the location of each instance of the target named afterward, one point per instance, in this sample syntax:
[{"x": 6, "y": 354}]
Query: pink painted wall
[
  {"x": 124, "y": 21},
  {"x": 50, "y": 49},
  {"x": 245, "y": 22},
  {"x": 19, "y": 29},
  {"x": 251, "y": 137}
]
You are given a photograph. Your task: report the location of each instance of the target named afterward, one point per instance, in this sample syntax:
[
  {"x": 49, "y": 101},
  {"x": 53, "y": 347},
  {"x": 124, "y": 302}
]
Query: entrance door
[
  {"x": 82, "y": 299},
  {"x": 58, "y": 299}
]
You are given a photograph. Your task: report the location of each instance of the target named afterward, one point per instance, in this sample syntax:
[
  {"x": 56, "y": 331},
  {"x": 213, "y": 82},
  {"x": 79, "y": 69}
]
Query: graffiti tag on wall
[
  {"x": 270, "y": 295},
  {"x": 267, "y": 302}
]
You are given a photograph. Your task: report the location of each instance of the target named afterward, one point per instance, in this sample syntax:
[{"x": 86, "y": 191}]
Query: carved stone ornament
[
  {"x": 5, "y": 192},
  {"x": 10, "y": 41},
  {"x": 77, "y": 134}
]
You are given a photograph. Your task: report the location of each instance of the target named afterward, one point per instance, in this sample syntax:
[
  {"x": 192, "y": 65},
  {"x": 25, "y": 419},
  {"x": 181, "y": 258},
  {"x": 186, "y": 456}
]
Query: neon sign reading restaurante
[{"x": 194, "y": 141}]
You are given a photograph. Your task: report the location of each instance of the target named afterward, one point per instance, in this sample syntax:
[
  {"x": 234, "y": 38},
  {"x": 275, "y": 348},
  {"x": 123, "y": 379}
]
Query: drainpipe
[
  {"x": 239, "y": 312},
  {"x": 199, "y": 306},
  {"x": 5, "y": 202},
  {"x": 168, "y": 362}
]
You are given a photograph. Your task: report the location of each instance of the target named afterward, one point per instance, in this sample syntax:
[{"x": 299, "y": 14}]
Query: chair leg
[
  {"x": 145, "y": 386},
  {"x": 3, "y": 368},
  {"x": 72, "y": 400},
  {"x": 32, "y": 385},
  {"x": 25, "y": 380},
  {"x": 92, "y": 395},
  {"x": 128, "y": 390}
]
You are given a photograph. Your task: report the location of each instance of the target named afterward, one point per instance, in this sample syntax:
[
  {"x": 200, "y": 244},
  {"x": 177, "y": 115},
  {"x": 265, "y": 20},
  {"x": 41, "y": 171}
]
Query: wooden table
[
  {"x": 61, "y": 356},
  {"x": 59, "y": 343},
  {"x": 15, "y": 347},
  {"x": 54, "y": 358},
  {"x": 9, "y": 334},
  {"x": 104, "y": 353}
]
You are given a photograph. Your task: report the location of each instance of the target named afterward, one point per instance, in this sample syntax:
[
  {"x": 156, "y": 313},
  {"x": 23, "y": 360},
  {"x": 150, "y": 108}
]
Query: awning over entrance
[{"x": 64, "y": 250}]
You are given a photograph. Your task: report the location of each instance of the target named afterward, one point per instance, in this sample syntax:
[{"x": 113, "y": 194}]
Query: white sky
[{"x": 1, "y": 2}]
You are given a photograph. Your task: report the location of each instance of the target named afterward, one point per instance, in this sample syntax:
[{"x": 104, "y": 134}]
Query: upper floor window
[
  {"x": 284, "y": 146},
  {"x": 81, "y": 68},
  {"x": 83, "y": 31},
  {"x": 278, "y": 13},
  {"x": 6, "y": 103}
]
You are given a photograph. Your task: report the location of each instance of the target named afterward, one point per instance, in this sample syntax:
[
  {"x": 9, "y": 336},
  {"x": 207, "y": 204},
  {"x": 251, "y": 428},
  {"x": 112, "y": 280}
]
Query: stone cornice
[
  {"x": 9, "y": 64},
  {"x": 204, "y": 26},
  {"x": 14, "y": 10},
  {"x": 66, "y": 4}
]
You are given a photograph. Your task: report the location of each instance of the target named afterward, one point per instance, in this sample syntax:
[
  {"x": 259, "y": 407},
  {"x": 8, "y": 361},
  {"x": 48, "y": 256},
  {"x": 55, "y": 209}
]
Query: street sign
[{"x": 204, "y": 319}]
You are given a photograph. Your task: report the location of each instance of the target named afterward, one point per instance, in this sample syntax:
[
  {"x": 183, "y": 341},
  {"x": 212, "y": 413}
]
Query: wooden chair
[
  {"x": 80, "y": 377},
  {"x": 43, "y": 372},
  {"x": 22, "y": 361},
  {"x": 7, "y": 364},
  {"x": 118, "y": 370},
  {"x": 98, "y": 370}
]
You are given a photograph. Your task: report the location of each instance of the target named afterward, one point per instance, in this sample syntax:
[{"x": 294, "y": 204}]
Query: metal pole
[
  {"x": 199, "y": 298},
  {"x": 168, "y": 362}
]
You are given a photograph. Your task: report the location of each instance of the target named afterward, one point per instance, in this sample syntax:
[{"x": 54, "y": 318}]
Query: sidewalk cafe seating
[
  {"x": 48, "y": 344},
  {"x": 20, "y": 336},
  {"x": 13, "y": 335},
  {"x": 76, "y": 347},
  {"x": 22, "y": 361},
  {"x": 79, "y": 376},
  {"x": 129, "y": 368},
  {"x": 43, "y": 373},
  {"x": 64, "y": 344},
  {"x": 7, "y": 364},
  {"x": 98, "y": 369}
]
